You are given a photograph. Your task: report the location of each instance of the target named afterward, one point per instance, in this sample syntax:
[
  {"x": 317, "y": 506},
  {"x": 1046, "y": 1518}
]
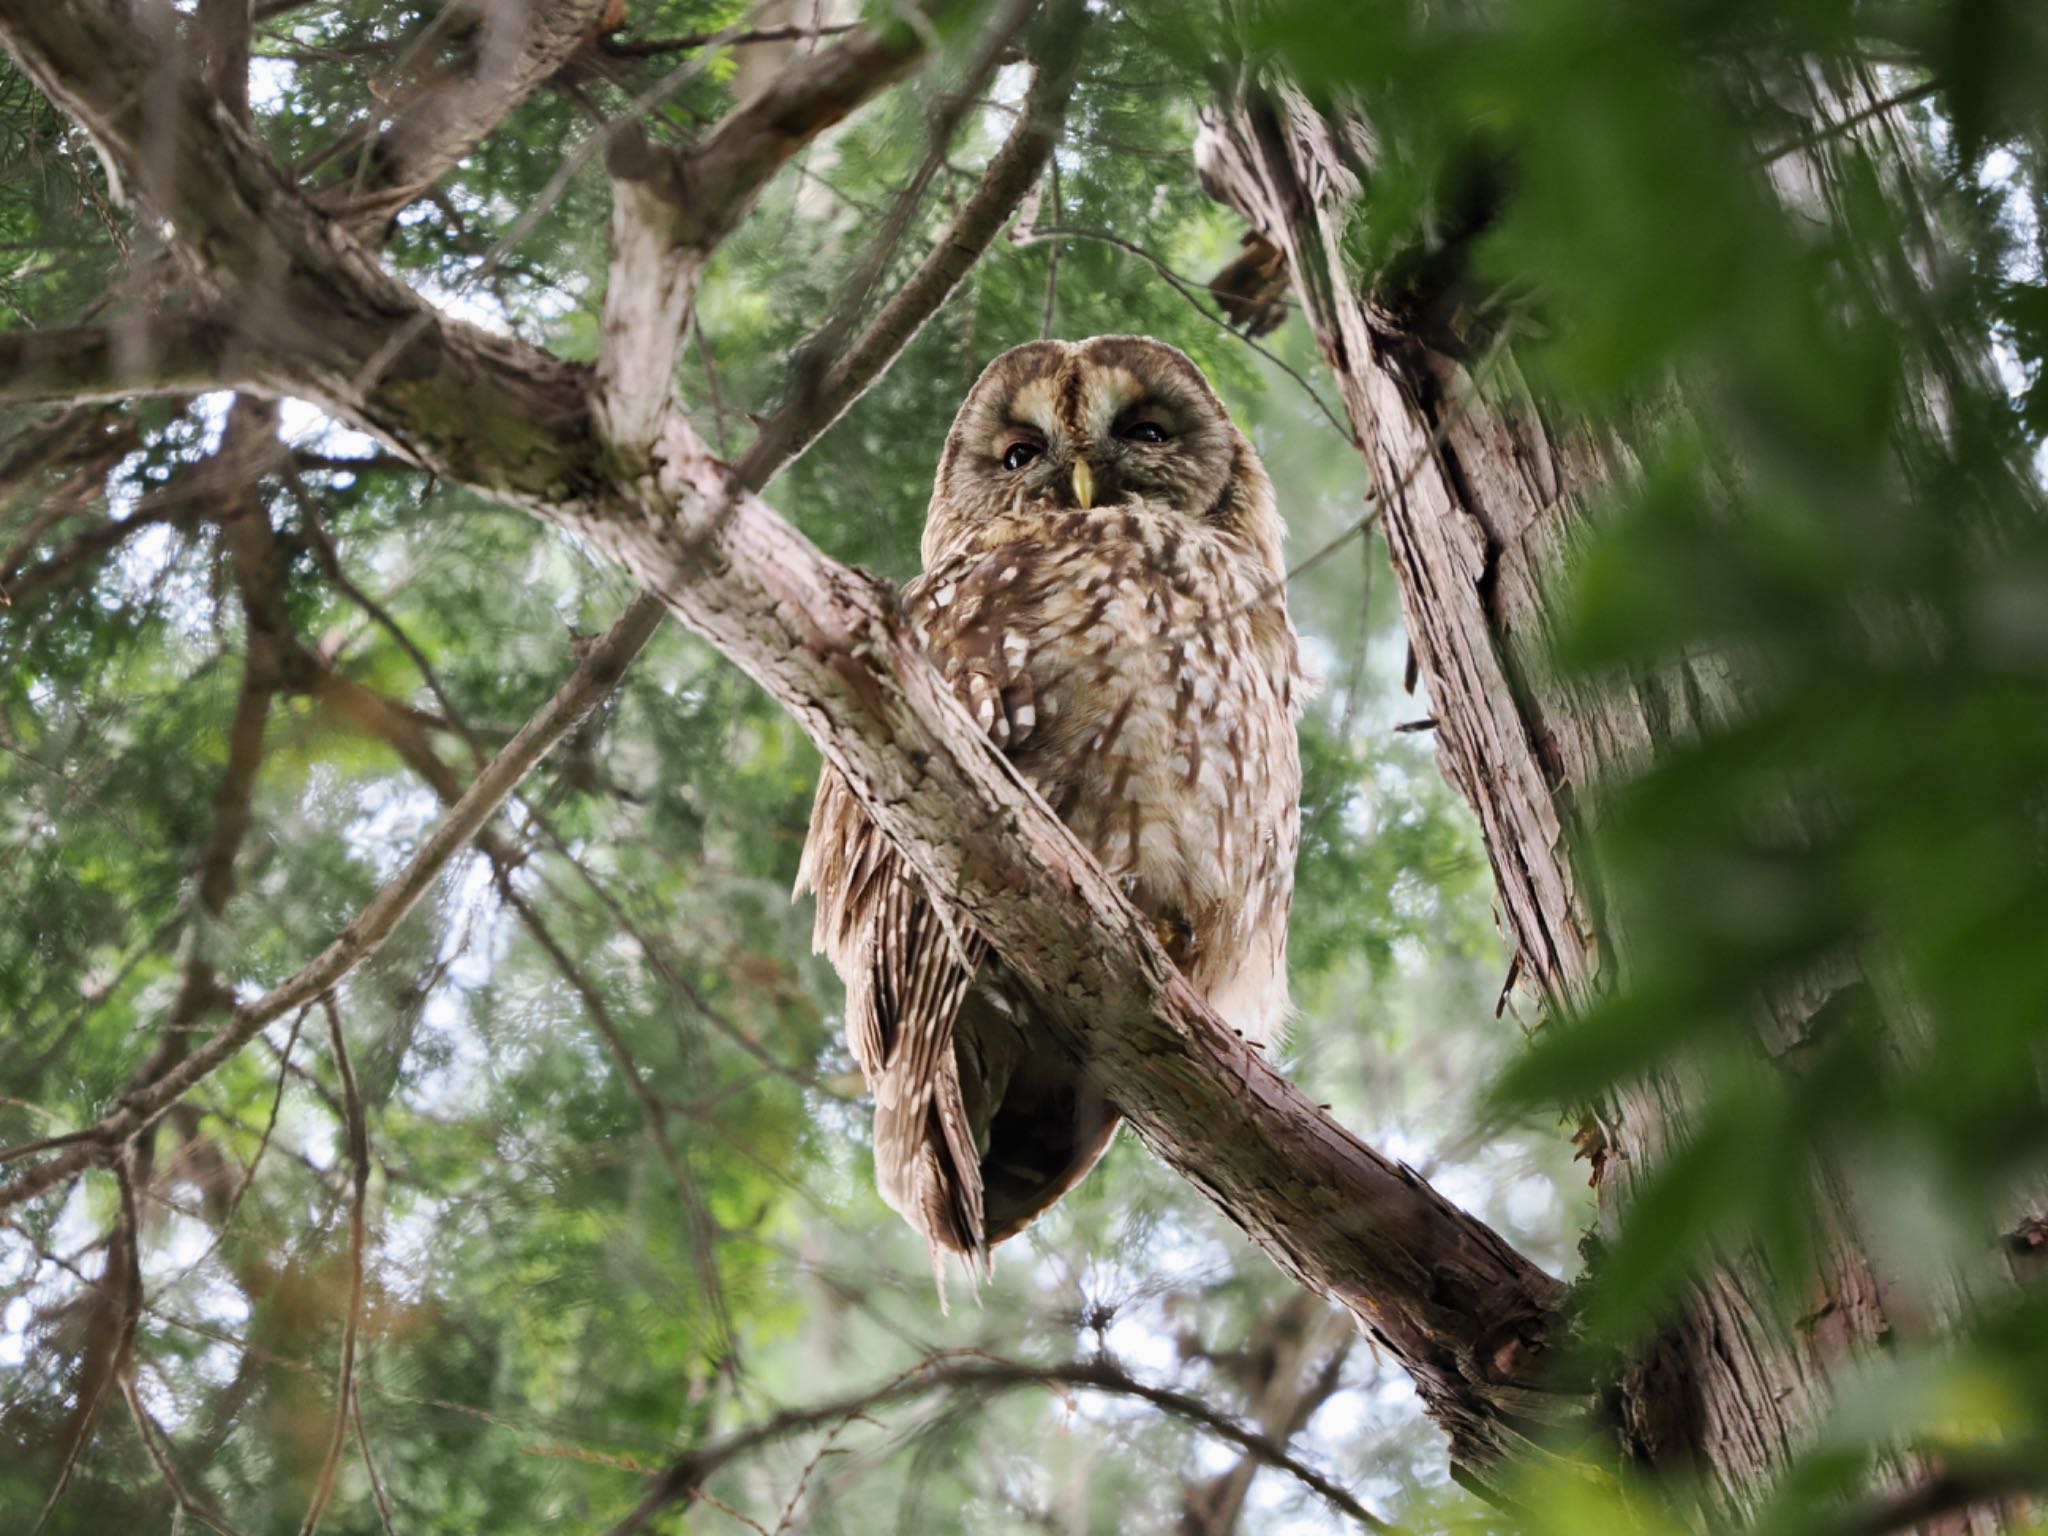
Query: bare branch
[
  {"x": 222, "y": 1204},
  {"x": 654, "y": 47},
  {"x": 156, "y": 1443},
  {"x": 89, "y": 546},
  {"x": 1011, "y": 173},
  {"x": 670, "y": 209},
  {"x": 518, "y": 47},
  {"x": 1272, "y": 1370},
  {"x": 329, "y": 557},
  {"x": 947, "y": 111},
  {"x": 358, "y": 1240},
  {"x": 1820, "y": 133},
  {"x": 377, "y": 1494},
  {"x": 683, "y": 1483}
]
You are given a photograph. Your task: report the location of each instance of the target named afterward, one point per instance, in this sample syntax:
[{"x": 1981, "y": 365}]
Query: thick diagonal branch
[{"x": 1470, "y": 1319}]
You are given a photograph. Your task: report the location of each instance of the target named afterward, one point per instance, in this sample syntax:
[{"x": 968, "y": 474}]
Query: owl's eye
[
  {"x": 1018, "y": 454},
  {"x": 1145, "y": 432}
]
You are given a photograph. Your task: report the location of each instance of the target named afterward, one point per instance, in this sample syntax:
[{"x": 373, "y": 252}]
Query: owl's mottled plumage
[{"x": 1103, "y": 588}]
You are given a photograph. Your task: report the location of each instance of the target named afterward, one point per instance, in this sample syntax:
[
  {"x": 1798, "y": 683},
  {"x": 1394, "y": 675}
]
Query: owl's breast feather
[{"x": 1161, "y": 668}]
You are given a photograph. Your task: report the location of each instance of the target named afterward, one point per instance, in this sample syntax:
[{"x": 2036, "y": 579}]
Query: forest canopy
[{"x": 421, "y": 1108}]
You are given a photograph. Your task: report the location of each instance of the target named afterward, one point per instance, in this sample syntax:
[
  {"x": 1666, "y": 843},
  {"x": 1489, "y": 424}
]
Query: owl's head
[{"x": 1114, "y": 420}]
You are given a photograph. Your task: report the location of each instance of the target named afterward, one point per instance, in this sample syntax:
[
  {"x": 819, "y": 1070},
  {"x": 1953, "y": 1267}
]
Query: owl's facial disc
[
  {"x": 1114, "y": 421},
  {"x": 1103, "y": 425}
]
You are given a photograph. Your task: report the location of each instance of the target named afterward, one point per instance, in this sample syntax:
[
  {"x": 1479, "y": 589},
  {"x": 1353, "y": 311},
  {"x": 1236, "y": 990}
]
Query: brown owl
[{"x": 1103, "y": 588}]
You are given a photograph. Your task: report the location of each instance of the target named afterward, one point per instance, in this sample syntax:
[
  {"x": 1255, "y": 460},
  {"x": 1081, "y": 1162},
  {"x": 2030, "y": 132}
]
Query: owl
[{"x": 1103, "y": 589}]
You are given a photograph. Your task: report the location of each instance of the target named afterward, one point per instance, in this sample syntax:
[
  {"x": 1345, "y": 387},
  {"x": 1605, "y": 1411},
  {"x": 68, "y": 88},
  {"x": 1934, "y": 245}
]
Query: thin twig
[
  {"x": 1377, "y": 497},
  {"x": 976, "y": 1371},
  {"x": 1012, "y": 171},
  {"x": 184, "y": 1500},
  {"x": 1052, "y": 256},
  {"x": 329, "y": 558},
  {"x": 123, "y": 1269},
  {"x": 721, "y": 433},
  {"x": 704, "y": 1231},
  {"x": 946, "y": 115},
  {"x": 220, "y": 1227},
  {"x": 1356, "y": 679},
  {"x": 1823, "y": 132},
  {"x": 358, "y": 1239},
  {"x": 543, "y": 204},
  {"x": 377, "y": 1494}
]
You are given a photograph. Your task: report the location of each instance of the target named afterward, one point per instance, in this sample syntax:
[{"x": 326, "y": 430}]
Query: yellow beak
[{"x": 1084, "y": 484}]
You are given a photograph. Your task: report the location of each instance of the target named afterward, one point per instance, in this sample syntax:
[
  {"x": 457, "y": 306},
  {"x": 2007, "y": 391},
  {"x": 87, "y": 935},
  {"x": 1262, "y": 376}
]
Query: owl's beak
[{"x": 1084, "y": 484}]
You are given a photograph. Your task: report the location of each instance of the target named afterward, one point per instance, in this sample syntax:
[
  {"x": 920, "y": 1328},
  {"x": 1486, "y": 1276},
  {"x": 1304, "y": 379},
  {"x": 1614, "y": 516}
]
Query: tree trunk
[{"x": 1481, "y": 498}]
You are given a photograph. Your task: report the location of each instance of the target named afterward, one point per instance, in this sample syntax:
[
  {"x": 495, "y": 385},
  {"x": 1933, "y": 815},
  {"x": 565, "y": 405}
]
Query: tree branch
[
  {"x": 518, "y": 48},
  {"x": 1011, "y": 173},
  {"x": 683, "y": 1482},
  {"x": 654, "y": 47},
  {"x": 670, "y": 209},
  {"x": 358, "y": 1239},
  {"x": 157, "y": 1444},
  {"x": 1271, "y": 1370},
  {"x": 138, "y": 355}
]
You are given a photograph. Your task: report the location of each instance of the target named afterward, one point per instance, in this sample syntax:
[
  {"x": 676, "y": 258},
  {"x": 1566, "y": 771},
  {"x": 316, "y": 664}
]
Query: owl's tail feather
[{"x": 945, "y": 1202}]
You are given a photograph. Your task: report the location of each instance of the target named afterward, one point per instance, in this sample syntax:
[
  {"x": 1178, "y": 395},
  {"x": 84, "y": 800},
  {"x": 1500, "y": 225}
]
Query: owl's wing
[{"x": 906, "y": 977}]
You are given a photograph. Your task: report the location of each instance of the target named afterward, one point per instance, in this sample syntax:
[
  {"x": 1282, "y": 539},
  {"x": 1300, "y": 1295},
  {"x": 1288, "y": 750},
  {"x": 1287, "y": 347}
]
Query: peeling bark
[{"x": 1482, "y": 499}]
